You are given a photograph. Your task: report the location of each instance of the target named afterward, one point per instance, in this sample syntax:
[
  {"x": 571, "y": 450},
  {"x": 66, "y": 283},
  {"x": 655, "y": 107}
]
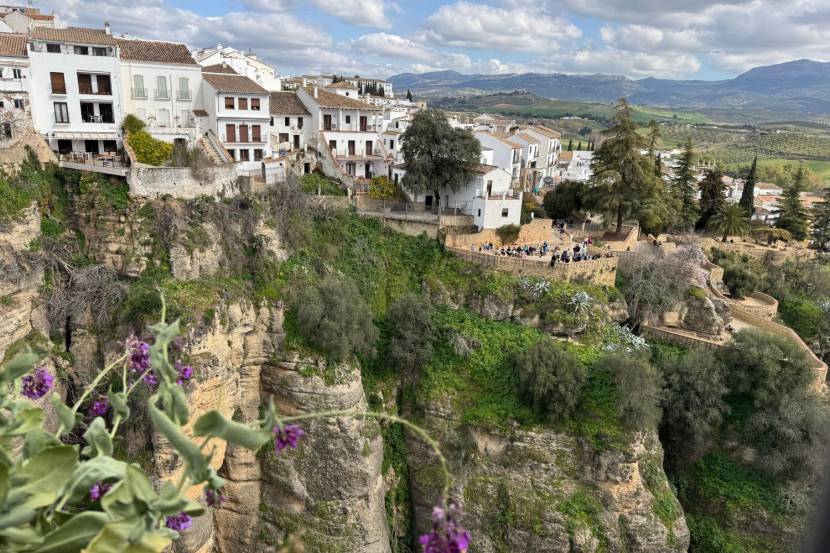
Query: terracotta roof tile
[
  {"x": 233, "y": 83},
  {"x": 13, "y": 44},
  {"x": 154, "y": 51},
  {"x": 541, "y": 129},
  {"x": 75, "y": 35},
  {"x": 223, "y": 68},
  {"x": 286, "y": 103},
  {"x": 40, "y": 16},
  {"x": 327, "y": 99},
  {"x": 342, "y": 84}
]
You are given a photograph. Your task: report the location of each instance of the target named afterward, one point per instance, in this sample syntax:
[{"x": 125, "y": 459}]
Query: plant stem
[{"x": 96, "y": 381}]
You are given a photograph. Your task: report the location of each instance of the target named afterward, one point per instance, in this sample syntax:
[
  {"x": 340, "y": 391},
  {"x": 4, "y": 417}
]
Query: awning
[{"x": 74, "y": 135}]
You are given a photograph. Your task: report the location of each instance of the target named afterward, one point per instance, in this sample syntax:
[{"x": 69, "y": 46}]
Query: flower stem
[{"x": 96, "y": 381}]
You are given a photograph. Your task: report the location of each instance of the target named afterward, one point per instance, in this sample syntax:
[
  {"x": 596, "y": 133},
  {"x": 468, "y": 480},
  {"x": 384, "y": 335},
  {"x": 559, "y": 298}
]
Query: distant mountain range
[{"x": 801, "y": 86}]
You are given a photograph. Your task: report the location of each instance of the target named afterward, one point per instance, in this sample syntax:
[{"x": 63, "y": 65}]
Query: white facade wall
[
  {"x": 168, "y": 111},
  {"x": 297, "y": 126},
  {"x": 15, "y": 106},
  {"x": 253, "y": 68},
  {"x": 219, "y": 117},
  {"x": 506, "y": 156}
]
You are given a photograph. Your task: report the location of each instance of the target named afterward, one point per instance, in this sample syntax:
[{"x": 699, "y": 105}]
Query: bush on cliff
[
  {"x": 413, "y": 331},
  {"x": 508, "y": 234},
  {"x": 550, "y": 378},
  {"x": 638, "y": 389},
  {"x": 149, "y": 150}
]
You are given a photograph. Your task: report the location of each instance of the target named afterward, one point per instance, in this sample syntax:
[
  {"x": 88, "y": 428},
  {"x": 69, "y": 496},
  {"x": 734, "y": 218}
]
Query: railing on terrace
[
  {"x": 107, "y": 159},
  {"x": 162, "y": 94},
  {"x": 139, "y": 92},
  {"x": 601, "y": 271},
  {"x": 183, "y": 95}
]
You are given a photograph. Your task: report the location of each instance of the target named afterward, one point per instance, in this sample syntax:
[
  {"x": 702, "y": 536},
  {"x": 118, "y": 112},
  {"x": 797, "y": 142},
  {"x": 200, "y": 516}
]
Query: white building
[
  {"x": 348, "y": 128},
  {"x": 530, "y": 174},
  {"x": 488, "y": 122},
  {"x": 364, "y": 85},
  {"x": 19, "y": 19},
  {"x": 506, "y": 154},
  {"x": 238, "y": 112},
  {"x": 161, "y": 84},
  {"x": 575, "y": 165},
  {"x": 15, "y": 80},
  {"x": 343, "y": 88},
  {"x": 291, "y": 126},
  {"x": 550, "y": 146},
  {"x": 247, "y": 64},
  {"x": 75, "y": 98}
]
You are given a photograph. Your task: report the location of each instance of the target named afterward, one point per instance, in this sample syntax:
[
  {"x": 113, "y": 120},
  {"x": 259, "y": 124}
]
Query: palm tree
[{"x": 729, "y": 219}]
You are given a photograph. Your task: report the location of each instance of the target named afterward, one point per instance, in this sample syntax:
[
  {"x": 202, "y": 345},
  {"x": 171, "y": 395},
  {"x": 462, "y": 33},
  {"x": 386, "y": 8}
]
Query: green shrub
[
  {"x": 50, "y": 227},
  {"x": 805, "y": 317},
  {"x": 638, "y": 389},
  {"x": 381, "y": 187},
  {"x": 314, "y": 183},
  {"x": 334, "y": 318},
  {"x": 564, "y": 200},
  {"x": 149, "y": 150},
  {"x": 13, "y": 199},
  {"x": 508, "y": 234},
  {"x": 111, "y": 193},
  {"x": 550, "y": 378},
  {"x": 740, "y": 280},
  {"x": 412, "y": 334},
  {"x": 132, "y": 124}
]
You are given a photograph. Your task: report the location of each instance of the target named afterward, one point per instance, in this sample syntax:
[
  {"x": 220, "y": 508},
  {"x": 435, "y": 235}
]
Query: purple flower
[
  {"x": 99, "y": 407},
  {"x": 447, "y": 535},
  {"x": 287, "y": 436},
  {"x": 139, "y": 352},
  {"x": 151, "y": 379},
  {"x": 214, "y": 498},
  {"x": 184, "y": 372},
  {"x": 37, "y": 384},
  {"x": 179, "y": 522},
  {"x": 98, "y": 490}
]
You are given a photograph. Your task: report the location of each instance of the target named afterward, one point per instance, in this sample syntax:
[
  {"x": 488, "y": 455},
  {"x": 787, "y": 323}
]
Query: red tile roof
[
  {"x": 13, "y": 44},
  {"x": 233, "y": 83},
  {"x": 223, "y": 68},
  {"x": 155, "y": 51},
  {"x": 74, "y": 35}
]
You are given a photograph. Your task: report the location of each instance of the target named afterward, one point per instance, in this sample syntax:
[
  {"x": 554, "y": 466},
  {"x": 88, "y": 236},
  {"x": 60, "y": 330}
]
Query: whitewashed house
[
  {"x": 530, "y": 174},
  {"x": 76, "y": 101},
  {"x": 506, "y": 154},
  {"x": 15, "y": 80},
  {"x": 291, "y": 127},
  {"x": 19, "y": 19},
  {"x": 162, "y": 85},
  {"x": 247, "y": 64},
  {"x": 488, "y": 122},
  {"x": 550, "y": 146},
  {"x": 238, "y": 112},
  {"x": 343, "y": 88},
  {"x": 348, "y": 128},
  {"x": 575, "y": 165}
]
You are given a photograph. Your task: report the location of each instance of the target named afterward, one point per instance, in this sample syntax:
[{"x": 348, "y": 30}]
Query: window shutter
[
  {"x": 230, "y": 132},
  {"x": 255, "y": 133},
  {"x": 58, "y": 83}
]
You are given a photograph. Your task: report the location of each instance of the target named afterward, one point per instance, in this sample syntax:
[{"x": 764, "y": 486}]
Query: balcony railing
[
  {"x": 162, "y": 94},
  {"x": 99, "y": 92},
  {"x": 96, "y": 119},
  {"x": 356, "y": 153},
  {"x": 139, "y": 92},
  {"x": 183, "y": 95},
  {"x": 351, "y": 127}
]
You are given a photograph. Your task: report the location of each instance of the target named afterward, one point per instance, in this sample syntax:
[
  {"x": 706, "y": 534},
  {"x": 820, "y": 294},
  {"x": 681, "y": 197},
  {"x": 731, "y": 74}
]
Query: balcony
[
  {"x": 248, "y": 140},
  {"x": 357, "y": 153},
  {"x": 93, "y": 92},
  {"x": 161, "y": 94},
  {"x": 12, "y": 84},
  {"x": 139, "y": 93},
  {"x": 109, "y": 163},
  {"x": 183, "y": 95},
  {"x": 96, "y": 118}
]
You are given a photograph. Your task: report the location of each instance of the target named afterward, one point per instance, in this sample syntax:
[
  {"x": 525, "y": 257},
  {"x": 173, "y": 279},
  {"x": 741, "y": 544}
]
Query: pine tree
[
  {"x": 821, "y": 222},
  {"x": 571, "y": 145},
  {"x": 658, "y": 166},
  {"x": 579, "y": 146},
  {"x": 408, "y": 94},
  {"x": 792, "y": 215},
  {"x": 748, "y": 194},
  {"x": 712, "y": 196},
  {"x": 653, "y": 138},
  {"x": 684, "y": 186}
]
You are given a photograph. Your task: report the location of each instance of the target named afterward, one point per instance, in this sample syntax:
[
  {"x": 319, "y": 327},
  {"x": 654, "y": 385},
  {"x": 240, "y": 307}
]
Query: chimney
[
  {"x": 107, "y": 27},
  {"x": 219, "y": 46},
  {"x": 315, "y": 90}
]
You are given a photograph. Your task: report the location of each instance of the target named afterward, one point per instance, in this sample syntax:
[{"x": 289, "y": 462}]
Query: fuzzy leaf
[
  {"x": 215, "y": 425},
  {"x": 19, "y": 365},
  {"x": 118, "y": 401},
  {"x": 99, "y": 440},
  {"x": 74, "y": 534},
  {"x": 131, "y": 496},
  {"x": 66, "y": 417},
  {"x": 38, "y": 482},
  {"x": 97, "y": 469}
]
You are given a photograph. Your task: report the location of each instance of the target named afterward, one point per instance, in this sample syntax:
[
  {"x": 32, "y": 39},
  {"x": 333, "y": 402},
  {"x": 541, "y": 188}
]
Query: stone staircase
[{"x": 213, "y": 149}]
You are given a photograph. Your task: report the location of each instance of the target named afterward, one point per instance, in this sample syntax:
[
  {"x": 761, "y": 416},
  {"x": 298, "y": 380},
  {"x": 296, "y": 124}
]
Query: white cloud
[
  {"x": 364, "y": 13},
  {"x": 480, "y": 26}
]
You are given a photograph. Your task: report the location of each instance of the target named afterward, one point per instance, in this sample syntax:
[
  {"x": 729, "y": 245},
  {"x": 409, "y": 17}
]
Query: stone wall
[
  {"x": 776, "y": 255},
  {"x": 179, "y": 182},
  {"x": 535, "y": 232},
  {"x": 677, "y": 336},
  {"x": 407, "y": 225},
  {"x": 601, "y": 271},
  {"x": 13, "y": 154}
]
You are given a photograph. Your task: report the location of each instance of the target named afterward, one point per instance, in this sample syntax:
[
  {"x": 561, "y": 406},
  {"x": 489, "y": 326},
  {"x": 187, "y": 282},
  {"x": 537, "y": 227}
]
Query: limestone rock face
[
  {"x": 118, "y": 240},
  {"x": 701, "y": 316},
  {"x": 544, "y": 491}
]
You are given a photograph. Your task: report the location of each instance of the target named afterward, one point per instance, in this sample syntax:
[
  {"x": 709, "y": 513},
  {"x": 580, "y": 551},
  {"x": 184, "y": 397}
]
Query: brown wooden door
[
  {"x": 256, "y": 133},
  {"x": 326, "y": 122},
  {"x": 297, "y": 141},
  {"x": 84, "y": 83},
  {"x": 351, "y": 147},
  {"x": 243, "y": 133},
  {"x": 368, "y": 147},
  {"x": 364, "y": 123},
  {"x": 230, "y": 133}
]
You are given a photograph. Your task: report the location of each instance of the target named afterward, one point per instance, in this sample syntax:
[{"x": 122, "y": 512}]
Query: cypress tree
[
  {"x": 381, "y": 91},
  {"x": 579, "y": 146},
  {"x": 792, "y": 215},
  {"x": 821, "y": 222},
  {"x": 571, "y": 145},
  {"x": 712, "y": 196},
  {"x": 748, "y": 194},
  {"x": 658, "y": 166},
  {"x": 684, "y": 187},
  {"x": 408, "y": 94}
]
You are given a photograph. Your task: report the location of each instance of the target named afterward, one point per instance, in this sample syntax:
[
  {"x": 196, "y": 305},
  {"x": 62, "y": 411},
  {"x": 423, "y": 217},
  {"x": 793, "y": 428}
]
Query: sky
[{"x": 688, "y": 39}]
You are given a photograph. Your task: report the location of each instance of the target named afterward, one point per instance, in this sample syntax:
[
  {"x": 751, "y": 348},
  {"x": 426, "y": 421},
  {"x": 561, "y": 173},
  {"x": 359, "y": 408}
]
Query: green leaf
[
  {"x": 118, "y": 401},
  {"x": 36, "y": 441},
  {"x": 19, "y": 365},
  {"x": 38, "y": 482},
  {"x": 74, "y": 534},
  {"x": 215, "y": 425},
  {"x": 66, "y": 417},
  {"x": 25, "y": 421},
  {"x": 172, "y": 502},
  {"x": 4, "y": 483},
  {"x": 25, "y": 536},
  {"x": 196, "y": 461},
  {"x": 97, "y": 469},
  {"x": 130, "y": 497},
  {"x": 128, "y": 536},
  {"x": 98, "y": 439}
]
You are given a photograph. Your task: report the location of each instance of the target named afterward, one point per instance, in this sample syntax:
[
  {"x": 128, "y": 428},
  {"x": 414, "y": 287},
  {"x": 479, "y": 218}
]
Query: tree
[
  {"x": 508, "y": 234},
  {"x": 684, "y": 185},
  {"x": 550, "y": 378},
  {"x": 564, "y": 200},
  {"x": 740, "y": 280},
  {"x": 653, "y": 138},
  {"x": 411, "y": 335},
  {"x": 821, "y": 222},
  {"x": 712, "y": 196},
  {"x": 658, "y": 166},
  {"x": 729, "y": 220},
  {"x": 579, "y": 146},
  {"x": 333, "y": 317},
  {"x": 380, "y": 91},
  {"x": 693, "y": 406},
  {"x": 792, "y": 215},
  {"x": 748, "y": 195},
  {"x": 623, "y": 182},
  {"x": 570, "y": 145},
  {"x": 638, "y": 389},
  {"x": 437, "y": 156},
  {"x": 408, "y": 94}
]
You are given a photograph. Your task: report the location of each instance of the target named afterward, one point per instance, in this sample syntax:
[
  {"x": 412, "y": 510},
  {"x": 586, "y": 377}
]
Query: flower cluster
[
  {"x": 98, "y": 490},
  {"x": 214, "y": 498},
  {"x": 447, "y": 535},
  {"x": 99, "y": 407},
  {"x": 287, "y": 436},
  {"x": 185, "y": 372},
  {"x": 37, "y": 384},
  {"x": 179, "y": 522},
  {"x": 139, "y": 354}
]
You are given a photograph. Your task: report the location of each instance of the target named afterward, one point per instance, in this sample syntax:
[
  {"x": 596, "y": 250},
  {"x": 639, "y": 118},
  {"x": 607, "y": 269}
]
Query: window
[
  {"x": 228, "y": 102},
  {"x": 391, "y": 144},
  {"x": 283, "y": 137},
  {"x": 479, "y": 213},
  {"x": 299, "y": 122},
  {"x": 230, "y": 133},
  {"x": 104, "y": 85},
  {"x": 504, "y": 212},
  {"x": 18, "y": 103},
  {"x": 17, "y": 73},
  {"x": 243, "y": 103},
  {"x": 81, "y": 50},
  {"x": 58, "y": 83},
  {"x": 2, "y": 104},
  {"x": 257, "y": 154},
  {"x": 141, "y": 113},
  {"x": 84, "y": 83},
  {"x": 287, "y": 121},
  {"x": 7, "y": 130},
  {"x": 348, "y": 119},
  {"x": 184, "y": 117},
  {"x": 256, "y": 133},
  {"x": 164, "y": 117},
  {"x": 184, "y": 89},
  {"x": 138, "y": 87},
  {"x": 272, "y": 122},
  {"x": 255, "y": 104},
  {"x": 244, "y": 155},
  {"x": 53, "y": 48},
  {"x": 333, "y": 146},
  {"x": 61, "y": 112},
  {"x": 87, "y": 112},
  {"x": 243, "y": 133},
  {"x": 161, "y": 88},
  {"x": 232, "y": 153},
  {"x": 98, "y": 51}
]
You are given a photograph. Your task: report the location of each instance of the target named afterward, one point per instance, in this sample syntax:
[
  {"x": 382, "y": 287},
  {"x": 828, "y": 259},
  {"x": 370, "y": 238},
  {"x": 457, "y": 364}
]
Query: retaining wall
[
  {"x": 179, "y": 182},
  {"x": 535, "y": 232},
  {"x": 678, "y": 337}
]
